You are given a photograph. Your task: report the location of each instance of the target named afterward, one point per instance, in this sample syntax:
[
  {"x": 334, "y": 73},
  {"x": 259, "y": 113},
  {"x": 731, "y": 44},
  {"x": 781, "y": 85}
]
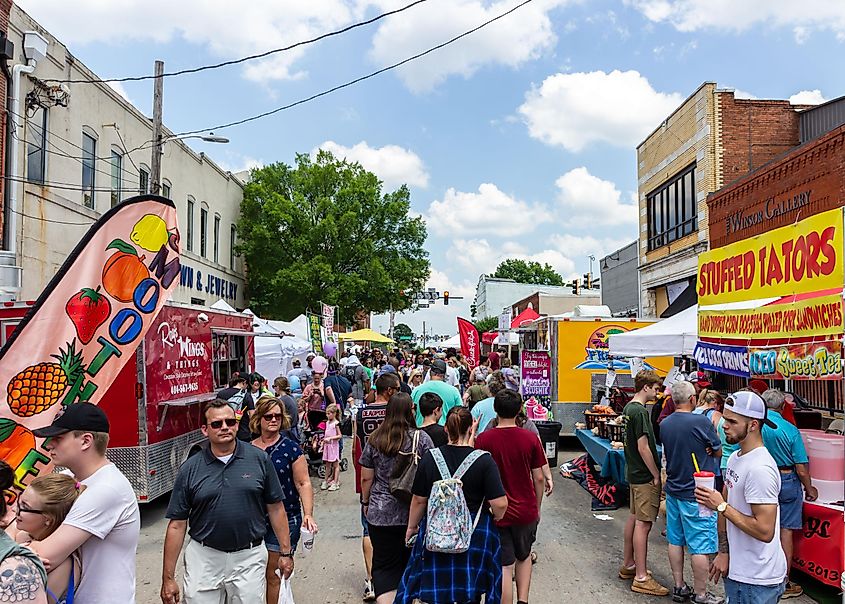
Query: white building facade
[
  {"x": 86, "y": 148},
  {"x": 493, "y": 295}
]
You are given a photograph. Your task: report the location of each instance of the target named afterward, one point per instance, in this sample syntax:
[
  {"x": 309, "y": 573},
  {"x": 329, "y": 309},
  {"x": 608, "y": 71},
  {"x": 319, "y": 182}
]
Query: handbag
[{"x": 404, "y": 471}]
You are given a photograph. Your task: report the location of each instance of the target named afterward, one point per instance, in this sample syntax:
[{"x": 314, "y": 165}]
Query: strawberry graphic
[{"x": 88, "y": 310}]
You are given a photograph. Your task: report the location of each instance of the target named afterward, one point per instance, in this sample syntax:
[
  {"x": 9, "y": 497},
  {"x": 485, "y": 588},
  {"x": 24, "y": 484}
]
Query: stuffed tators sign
[{"x": 816, "y": 361}]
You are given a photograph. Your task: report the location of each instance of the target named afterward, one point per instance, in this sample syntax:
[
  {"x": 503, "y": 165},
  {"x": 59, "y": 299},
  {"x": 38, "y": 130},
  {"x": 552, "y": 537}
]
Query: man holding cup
[
  {"x": 692, "y": 450},
  {"x": 750, "y": 555}
]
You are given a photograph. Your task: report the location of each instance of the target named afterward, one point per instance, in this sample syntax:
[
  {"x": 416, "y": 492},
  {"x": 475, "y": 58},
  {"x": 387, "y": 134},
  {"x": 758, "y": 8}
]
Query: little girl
[{"x": 331, "y": 447}]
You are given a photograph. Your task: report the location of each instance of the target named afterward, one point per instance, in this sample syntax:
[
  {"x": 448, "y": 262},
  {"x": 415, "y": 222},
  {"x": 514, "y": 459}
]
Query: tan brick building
[{"x": 711, "y": 139}]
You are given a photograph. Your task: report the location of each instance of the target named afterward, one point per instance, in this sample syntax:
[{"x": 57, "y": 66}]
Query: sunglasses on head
[
  {"x": 272, "y": 416},
  {"x": 231, "y": 422}
]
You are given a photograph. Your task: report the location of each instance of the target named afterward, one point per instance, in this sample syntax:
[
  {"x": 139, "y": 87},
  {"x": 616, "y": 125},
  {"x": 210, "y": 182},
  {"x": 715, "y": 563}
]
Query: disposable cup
[
  {"x": 705, "y": 479},
  {"x": 306, "y": 539}
]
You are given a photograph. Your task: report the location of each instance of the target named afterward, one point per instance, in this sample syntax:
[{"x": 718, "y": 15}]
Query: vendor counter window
[
  {"x": 229, "y": 356},
  {"x": 672, "y": 210}
]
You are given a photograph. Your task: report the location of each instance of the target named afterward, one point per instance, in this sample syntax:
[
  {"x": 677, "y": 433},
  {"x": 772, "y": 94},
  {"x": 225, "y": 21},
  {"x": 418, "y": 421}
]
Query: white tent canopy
[
  {"x": 674, "y": 336},
  {"x": 279, "y": 343},
  {"x": 453, "y": 342},
  {"x": 511, "y": 338}
]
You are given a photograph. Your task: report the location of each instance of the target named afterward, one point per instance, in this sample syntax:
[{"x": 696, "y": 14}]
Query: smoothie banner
[
  {"x": 730, "y": 360},
  {"x": 800, "y": 258},
  {"x": 536, "y": 370},
  {"x": 816, "y": 361},
  {"x": 470, "y": 342},
  {"x": 86, "y": 324},
  {"x": 821, "y": 316}
]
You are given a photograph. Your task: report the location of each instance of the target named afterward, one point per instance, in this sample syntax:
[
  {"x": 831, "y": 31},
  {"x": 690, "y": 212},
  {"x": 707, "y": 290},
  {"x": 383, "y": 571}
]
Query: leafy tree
[
  {"x": 402, "y": 331},
  {"x": 528, "y": 271},
  {"x": 486, "y": 324},
  {"x": 323, "y": 230}
]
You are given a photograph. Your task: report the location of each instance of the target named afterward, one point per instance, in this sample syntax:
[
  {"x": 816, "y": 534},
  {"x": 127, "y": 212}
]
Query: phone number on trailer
[{"x": 184, "y": 388}]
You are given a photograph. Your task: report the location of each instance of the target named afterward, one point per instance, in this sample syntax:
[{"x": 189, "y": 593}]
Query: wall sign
[
  {"x": 816, "y": 361},
  {"x": 773, "y": 207},
  {"x": 195, "y": 278},
  {"x": 730, "y": 360}
]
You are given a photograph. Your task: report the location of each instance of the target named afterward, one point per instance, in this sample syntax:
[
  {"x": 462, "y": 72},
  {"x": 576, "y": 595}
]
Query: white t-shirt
[
  {"x": 107, "y": 509},
  {"x": 754, "y": 478},
  {"x": 452, "y": 376}
]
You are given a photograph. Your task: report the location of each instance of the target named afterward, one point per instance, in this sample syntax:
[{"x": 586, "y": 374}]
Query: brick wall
[{"x": 5, "y": 9}]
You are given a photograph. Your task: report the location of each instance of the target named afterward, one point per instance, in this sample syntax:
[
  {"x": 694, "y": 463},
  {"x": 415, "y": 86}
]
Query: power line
[
  {"x": 249, "y": 57},
  {"x": 360, "y": 79}
]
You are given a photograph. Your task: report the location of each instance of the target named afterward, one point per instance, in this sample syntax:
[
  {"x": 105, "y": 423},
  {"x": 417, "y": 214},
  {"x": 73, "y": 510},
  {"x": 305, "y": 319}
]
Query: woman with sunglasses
[
  {"x": 41, "y": 508},
  {"x": 272, "y": 423}
]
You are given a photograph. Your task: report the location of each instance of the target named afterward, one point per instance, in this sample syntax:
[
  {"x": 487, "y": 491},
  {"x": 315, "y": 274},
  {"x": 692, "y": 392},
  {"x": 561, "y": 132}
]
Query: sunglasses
[
  {"x": 272, "y": 417},
  {"x": 231, "y": 422}
]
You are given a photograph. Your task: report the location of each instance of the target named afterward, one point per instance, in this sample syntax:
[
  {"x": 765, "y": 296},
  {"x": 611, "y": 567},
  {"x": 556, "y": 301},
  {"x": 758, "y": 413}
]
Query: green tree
[
  {"x": 324, "y": 231},
  {"x": 528, "y": 271},
  {"x": 403, "y": 332},
  {"x": 486, "y": 324}
]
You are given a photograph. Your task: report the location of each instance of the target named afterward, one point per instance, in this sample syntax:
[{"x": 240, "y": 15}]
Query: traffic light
[
  {"x": 445, "y": 298},
  {"x": 575, "y": 286}
]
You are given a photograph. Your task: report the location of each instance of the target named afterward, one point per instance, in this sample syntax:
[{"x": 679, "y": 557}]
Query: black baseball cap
[
  {"x": 439, "y": 366},
  {"x": 85, "y": 417}
]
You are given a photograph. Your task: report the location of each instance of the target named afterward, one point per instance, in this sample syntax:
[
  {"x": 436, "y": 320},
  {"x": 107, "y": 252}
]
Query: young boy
[{"x": 431, "y": 408}]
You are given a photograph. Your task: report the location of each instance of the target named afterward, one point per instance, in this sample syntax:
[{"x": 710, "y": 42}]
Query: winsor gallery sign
[{"x": 773, "y": 207}]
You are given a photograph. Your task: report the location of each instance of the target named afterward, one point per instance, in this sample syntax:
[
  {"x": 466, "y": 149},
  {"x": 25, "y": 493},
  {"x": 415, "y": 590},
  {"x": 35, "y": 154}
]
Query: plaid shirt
[{"x": 437, "y": 578}]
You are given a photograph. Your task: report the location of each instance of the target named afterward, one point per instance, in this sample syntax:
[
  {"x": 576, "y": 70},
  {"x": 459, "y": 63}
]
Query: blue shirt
[
  {"x": 282, "y": 455},
  {"x": 483, "y": 411},
  {"x": 684, "y": 434},
  {"x": 448, "y": 394},
  {"x": 295, "y": 384},
  {"x": 784, "y": 443}
]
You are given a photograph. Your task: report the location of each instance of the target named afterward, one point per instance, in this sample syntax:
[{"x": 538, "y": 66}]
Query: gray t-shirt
[
  {"x": 384, "y": 508},
  {"x": 359, "y": 377}
]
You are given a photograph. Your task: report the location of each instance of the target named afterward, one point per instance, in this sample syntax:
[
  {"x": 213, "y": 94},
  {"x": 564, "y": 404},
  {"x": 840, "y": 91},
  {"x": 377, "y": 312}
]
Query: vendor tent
[
  {"x": 364, "y": 335},
  {"x": 223, "y": 305},
  {"x": 278, "y": 343},
  {"x": 453, "y": 342},
  {"x": 524, "y": 318},
  {"x": 674, "y": 336}
]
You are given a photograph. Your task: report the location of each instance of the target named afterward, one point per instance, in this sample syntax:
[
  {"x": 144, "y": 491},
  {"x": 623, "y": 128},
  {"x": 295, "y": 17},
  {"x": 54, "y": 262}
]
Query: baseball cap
[
  {"x": 439, "y": 366},
  {"x": 700, "y": 378},
  {"x": 78, "y": 416},
  {"x": 387, "y": 368},
  {"x": 749, "y": 404}
]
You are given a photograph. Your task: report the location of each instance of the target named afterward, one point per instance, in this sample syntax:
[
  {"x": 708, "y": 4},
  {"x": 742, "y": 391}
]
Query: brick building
[{"x": 711, "y": 139}]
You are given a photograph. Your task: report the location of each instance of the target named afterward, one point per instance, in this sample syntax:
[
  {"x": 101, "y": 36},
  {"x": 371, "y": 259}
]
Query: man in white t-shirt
[
  {"x": 104, "y": 522},
  {"x": 750, "y": 555}
]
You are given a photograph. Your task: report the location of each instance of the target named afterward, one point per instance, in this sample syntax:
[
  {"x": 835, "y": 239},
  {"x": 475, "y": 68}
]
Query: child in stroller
[{"x": 312, "y": 443}]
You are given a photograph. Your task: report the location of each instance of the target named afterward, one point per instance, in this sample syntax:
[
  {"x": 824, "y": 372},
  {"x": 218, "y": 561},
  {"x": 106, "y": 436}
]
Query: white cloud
[
  {"x": 743, "y": 94},
  {"x": 584, "y": 197},
  {"x": 394, "y": 165},
  {"x": 119, "y": 89},
  {"x": 730, "y": 15},
  {"x": 573, "y": 110},
  {"x": 480, "y": 256},
  {"x": 522, "y": 36},
  {"x": 489, "y": 211},
  {"x": 807, "y": 97},
  {"x": 582, "y": 246},
  {"x": 235, "y": 162}
]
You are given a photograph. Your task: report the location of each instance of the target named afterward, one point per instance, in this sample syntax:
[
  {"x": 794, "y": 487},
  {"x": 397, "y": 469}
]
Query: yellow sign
[
  {"x": 820, "y": 316},
  {"x": 801, "y": 258}
]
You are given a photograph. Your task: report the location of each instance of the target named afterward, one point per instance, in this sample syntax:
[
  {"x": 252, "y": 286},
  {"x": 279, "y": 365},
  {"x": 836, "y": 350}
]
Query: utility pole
[
  {"x": 155, "y": 163},
  {"x": 390, "y": 330},
  {"x": 424, "y": 338}
]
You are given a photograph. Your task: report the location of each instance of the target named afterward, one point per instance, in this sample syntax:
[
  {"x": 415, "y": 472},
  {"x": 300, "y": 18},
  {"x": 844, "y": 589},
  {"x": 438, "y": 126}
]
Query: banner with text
[
  {"x": 536, "y": 373},
  {"x": 470, "y": 342},
  {"x": 804, "y": 257},
  {"x": 820, "y": 316},
  {"x": 730, "y": 360},
  {"x": 816, "y": 361},
  {"x": 328, "y": 320},
  {"x": 314, "y": 329}
]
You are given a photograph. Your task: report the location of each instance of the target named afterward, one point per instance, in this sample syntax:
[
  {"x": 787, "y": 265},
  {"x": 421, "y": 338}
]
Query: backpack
[
  {"x": 349, "y": 373},
  {"x": 236, "y": 401},
  {"x": 449, "y": 525}
]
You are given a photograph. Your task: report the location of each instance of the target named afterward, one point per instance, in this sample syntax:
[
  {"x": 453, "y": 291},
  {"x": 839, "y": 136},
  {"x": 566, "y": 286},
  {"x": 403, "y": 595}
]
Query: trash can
[{"x": 549, "y": 435}]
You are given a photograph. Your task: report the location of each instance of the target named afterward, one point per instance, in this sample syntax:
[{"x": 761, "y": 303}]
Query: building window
[
  {"x": 203, "y": 232},
  {"x": 672, "y": 210},
  {"x": 190, "y": 223},
  {"x": 165, "y": 189},
  {"x": 216, "y": 238},
  {"x": 116, "y": 170},
  {"x": 143, "y": 180},
  {"x": 36, "y": 146},
  {"x": 232, "y": 242},
  {"x": 89, "y": 159}
]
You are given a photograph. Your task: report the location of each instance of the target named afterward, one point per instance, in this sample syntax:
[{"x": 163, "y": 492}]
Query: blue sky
[{"x": 516, "y": 141}]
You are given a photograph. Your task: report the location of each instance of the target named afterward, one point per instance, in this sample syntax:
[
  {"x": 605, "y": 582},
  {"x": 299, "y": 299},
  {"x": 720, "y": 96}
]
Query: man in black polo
[{"x": 220, "y": 498}]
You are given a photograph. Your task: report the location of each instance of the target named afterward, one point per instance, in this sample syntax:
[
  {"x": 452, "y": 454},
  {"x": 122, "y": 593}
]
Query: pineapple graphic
[{"x": 39, "y": 387}]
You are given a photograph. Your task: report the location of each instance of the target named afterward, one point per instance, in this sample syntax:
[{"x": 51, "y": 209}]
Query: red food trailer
[{"x": 154, "y": 406}]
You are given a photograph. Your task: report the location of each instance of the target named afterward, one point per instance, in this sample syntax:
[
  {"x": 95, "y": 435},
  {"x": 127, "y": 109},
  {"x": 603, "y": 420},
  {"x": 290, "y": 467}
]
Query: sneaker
[
  {"x": 649, "y": 587},
  {"x": 681, "y": 594},
  {"x": 333, "y": 487},
  {"x": 707, "y": 598},
  {"x": 369, "y": 592},
  {"x": 793, "y": 590},
  {"x": 324, "y": 485}
]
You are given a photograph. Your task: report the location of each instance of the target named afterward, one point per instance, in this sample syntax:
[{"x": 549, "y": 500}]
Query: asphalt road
[{"x": 579, "y": 554}]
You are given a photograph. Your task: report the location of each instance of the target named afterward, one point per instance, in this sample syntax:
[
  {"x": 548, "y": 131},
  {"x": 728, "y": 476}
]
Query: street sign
[{"x": 505, "y": 320}]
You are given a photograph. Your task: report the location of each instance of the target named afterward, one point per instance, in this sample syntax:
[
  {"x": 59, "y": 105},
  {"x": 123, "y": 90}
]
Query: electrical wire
[
  {"x": 360, "y": 79},
  {"x": 51, "y": 221},
  {"x": 249, "y": 57}
]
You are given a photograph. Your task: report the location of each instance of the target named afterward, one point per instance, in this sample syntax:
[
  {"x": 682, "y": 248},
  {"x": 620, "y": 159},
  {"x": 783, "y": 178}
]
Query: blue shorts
[
  {"x": 791, "y": 500},
  {"x": 295, "y": 528},
  {"x": 745, "y": 593},
  {"x": 684, "y": 527},
  {"x": 365, "y": 526}
]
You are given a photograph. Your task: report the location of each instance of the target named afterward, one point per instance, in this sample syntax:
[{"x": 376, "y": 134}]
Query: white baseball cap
[{"x": 749, "y": 404}]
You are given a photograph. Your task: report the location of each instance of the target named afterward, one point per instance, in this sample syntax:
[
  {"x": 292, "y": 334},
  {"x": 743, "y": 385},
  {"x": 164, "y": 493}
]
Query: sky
[{"x": 516, "y": 141}]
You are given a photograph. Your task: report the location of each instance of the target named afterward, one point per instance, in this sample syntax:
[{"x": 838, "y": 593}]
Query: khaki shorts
[
  {"x": 645, "y": 501},
  {"x": 212, "y": 576}
]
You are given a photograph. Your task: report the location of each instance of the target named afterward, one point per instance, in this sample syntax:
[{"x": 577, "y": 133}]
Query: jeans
[{"x": 745, "y": 593}]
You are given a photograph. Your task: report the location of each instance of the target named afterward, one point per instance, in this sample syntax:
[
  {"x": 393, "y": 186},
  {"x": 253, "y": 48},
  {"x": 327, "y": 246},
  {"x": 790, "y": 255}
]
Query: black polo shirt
[{"x": 225, "y": 504}]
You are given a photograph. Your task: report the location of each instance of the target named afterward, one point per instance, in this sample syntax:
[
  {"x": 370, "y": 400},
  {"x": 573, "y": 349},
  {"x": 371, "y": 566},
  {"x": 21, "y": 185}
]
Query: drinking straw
[{"x": 695, "y": 463}]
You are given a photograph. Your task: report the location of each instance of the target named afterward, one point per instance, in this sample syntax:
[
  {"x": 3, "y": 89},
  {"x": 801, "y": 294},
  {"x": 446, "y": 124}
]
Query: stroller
[{"x": 312, "y": 443}]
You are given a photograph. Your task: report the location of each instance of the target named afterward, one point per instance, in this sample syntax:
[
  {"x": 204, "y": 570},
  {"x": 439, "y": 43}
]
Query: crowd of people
[{"x": 740, "y": 529}]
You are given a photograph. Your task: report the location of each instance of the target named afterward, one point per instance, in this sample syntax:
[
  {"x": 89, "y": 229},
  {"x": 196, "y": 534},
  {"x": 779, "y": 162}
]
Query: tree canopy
[
  {"x": 528, "y": 271},
  {"x": 323, "y": 230},
  {"x": 486, "y": 324},
  {"x": 403, "y": 331}
]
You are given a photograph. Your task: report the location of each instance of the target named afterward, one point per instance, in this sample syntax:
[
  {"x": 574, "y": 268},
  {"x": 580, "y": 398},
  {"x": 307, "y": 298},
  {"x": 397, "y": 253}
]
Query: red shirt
[{"x": 516, "y": 451}]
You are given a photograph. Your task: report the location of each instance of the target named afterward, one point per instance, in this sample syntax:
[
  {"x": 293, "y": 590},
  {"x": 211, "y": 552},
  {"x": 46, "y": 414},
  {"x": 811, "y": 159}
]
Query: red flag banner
[
  {"x": 86, "y": 324},
  {"x": 470, "y": 343}
]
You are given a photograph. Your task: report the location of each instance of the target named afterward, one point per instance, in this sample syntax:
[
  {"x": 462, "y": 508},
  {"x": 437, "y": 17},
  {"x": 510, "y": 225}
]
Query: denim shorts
[
  {"x": 684, "y": 527},
  {"x": 791, "y": 500},
  {"x": 745, "y": 593},
  {"x": 295, "y": 528}
]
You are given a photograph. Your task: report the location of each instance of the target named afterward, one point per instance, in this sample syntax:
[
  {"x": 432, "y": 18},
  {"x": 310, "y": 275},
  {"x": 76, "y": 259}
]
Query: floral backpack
[{"x": 450, "y": 526}]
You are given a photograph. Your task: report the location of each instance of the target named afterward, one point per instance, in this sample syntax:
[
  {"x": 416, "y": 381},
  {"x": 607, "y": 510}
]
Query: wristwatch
[
  {"x": 286, "y": 555},
  {"x": 722, "y": 507}
]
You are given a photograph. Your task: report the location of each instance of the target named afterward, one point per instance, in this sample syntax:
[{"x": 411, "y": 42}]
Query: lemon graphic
[{"x": 150, "y": 233}]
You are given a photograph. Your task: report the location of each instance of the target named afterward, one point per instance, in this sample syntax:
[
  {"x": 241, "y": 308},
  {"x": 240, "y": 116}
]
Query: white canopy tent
[
  {"x": 278, "y": 344},
  {"x": 511, "y": 338},
  {"x": 453, "y": 342},
  {"x": 674, "y": 336}
]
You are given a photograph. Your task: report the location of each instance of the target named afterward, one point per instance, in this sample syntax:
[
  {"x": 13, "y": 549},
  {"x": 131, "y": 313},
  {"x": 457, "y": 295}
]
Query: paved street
[{"x": 578, "y": 554}]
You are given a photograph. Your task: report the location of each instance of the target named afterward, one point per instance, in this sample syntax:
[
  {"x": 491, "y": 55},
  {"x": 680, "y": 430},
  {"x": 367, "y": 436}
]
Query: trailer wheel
[
  {"x": 321, "y": 471},
  {"x": 344, "y": 465}
]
